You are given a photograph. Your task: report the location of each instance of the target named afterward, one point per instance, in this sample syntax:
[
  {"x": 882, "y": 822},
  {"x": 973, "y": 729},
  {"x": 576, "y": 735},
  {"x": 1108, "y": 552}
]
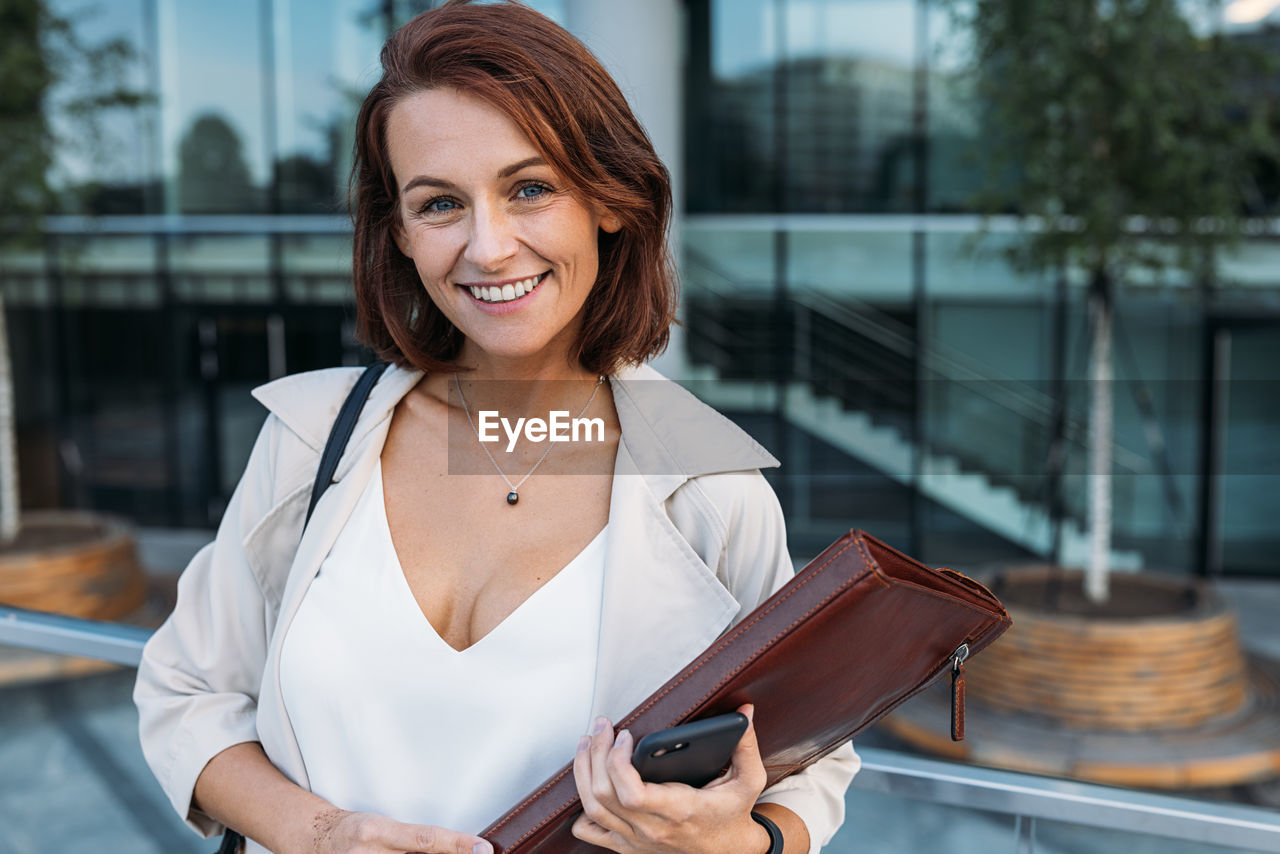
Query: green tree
[
  {"x": 1120, "y": 118},
  {"x": 213, "y": 174},
  {"x": 38, "y": 50}
]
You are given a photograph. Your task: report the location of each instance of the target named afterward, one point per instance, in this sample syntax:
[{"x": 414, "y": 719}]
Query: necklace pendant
[{"x": 512, "y": 497}]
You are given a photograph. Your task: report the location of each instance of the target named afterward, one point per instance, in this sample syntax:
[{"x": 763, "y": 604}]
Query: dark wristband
[{"x": 775, "y": 834}]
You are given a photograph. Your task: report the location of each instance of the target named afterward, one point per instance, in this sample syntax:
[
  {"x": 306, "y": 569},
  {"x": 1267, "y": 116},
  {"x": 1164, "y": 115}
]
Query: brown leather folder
[{"x": 859, "y": 630}]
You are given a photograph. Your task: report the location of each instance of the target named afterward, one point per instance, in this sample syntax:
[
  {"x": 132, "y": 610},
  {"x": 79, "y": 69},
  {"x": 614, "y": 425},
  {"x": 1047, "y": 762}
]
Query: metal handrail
[
  {"x": 885, "y": 771},
  {"x": 114, "y": 642},
  {"x": 1069, "y": 801}
]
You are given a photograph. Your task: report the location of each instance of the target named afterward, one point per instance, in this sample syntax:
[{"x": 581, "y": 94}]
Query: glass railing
[{"x": 898, "y": 803}]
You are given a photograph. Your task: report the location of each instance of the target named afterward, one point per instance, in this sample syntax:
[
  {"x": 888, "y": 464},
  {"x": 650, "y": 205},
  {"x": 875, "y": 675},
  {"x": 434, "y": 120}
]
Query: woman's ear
[{"x": 610, "y": 224}]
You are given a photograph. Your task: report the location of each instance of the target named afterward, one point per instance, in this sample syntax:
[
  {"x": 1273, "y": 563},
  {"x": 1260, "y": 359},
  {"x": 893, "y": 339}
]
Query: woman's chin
[{"x": 509, "y": 351}]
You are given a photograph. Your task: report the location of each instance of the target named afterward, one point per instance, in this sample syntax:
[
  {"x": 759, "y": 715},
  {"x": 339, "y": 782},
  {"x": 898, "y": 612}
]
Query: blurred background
[{"x": 176, "y": 234}]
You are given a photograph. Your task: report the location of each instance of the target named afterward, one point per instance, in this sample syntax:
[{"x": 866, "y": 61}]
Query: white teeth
[{"x": 504, "y": 293}]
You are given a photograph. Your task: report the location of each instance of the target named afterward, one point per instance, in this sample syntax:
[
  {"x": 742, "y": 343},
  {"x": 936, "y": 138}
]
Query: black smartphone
[{"x": 694, "y": 753}]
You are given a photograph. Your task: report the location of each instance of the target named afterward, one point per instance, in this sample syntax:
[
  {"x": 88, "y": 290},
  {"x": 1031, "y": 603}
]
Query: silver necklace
[{"x": 514, "y": 495}]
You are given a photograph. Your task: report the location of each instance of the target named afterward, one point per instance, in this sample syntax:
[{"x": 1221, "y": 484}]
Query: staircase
[{"x": 848, "y": 375}]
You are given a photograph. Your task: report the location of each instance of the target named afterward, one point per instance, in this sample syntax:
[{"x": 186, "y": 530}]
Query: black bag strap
[
  {"x": 339, "y": 435},
  {"x": 341, "y": 432},
  {"x": 232, "y": 843}
]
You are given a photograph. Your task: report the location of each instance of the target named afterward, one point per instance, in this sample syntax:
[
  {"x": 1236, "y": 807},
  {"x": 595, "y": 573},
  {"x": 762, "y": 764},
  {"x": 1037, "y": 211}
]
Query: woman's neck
[{"x": 523, "y": 387}]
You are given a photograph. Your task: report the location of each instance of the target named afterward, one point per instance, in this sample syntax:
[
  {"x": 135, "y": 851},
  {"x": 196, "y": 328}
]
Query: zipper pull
[{"x": 957, "y": 691}]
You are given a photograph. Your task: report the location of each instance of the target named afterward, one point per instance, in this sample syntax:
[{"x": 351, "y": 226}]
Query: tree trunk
[
  {"x": 1101, "y": 434},
  {"x": 8, "y": 442}
]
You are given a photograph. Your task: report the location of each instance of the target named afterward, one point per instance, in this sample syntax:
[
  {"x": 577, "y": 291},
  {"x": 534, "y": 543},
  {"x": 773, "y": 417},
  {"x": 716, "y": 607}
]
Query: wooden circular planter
[
  {"x": 1150, "y": 689},
  {"x": 1161, "y": 655},
  {"x": 74, "y": 563}
]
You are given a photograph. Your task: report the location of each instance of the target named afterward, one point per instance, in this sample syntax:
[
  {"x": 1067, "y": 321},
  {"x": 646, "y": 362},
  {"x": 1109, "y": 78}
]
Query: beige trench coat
[{"x": 696, "y": 541}]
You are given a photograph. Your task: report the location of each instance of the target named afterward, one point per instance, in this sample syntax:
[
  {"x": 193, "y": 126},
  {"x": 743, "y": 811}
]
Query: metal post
[
  {"x": 1211, "y": 349},
  {"x": 275, "y": 337},
  {"x": 1057, "y": 460},
  {"x": 1214, "y": 403},
  {"x": 207, "y": 328},
  {"x": 783, "y": 331},
  {"x": 65, "y": 350},
  {"x": 172, "y": 341},
  {"x": 1024, "y": 831},
  {"x": 919, "y": 302}
]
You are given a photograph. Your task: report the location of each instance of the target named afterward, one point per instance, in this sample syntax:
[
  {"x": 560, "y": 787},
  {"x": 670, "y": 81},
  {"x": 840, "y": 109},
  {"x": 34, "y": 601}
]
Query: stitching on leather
[
  {"x": 871, "y": 562},
  {"x": 925, "y": 591},
  {"x": 550, "y": 784}
]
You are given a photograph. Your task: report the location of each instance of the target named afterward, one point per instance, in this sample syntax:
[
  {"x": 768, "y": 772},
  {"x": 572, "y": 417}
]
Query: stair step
[{"x": 996, "y": 507}]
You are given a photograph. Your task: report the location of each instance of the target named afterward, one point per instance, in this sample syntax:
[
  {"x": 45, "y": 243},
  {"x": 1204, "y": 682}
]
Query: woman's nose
[{"x": 492, "y": 241}]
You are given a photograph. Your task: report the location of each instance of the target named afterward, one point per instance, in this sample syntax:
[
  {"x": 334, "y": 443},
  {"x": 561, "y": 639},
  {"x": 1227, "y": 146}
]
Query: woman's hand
[
  {"x": 341, "y": 832},
  {"x": 623, "y": 813}
]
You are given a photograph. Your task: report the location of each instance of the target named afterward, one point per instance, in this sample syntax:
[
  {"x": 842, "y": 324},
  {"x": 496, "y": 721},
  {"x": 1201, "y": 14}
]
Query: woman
[{"x": 454, "y": 617}]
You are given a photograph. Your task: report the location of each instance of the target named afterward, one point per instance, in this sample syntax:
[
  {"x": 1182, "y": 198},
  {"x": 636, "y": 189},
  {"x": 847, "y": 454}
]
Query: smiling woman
[
  {"x": 561, "y": 118},
  {"x": 398, "y": 675},
  {"x": 502, "y": 221}
]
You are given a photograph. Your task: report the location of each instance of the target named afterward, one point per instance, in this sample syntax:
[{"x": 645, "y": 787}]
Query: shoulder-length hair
[{"x": 573, "y": 112}]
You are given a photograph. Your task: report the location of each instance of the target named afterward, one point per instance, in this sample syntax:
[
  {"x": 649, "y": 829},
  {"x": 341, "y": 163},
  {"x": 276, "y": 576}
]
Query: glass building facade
[{"x": 842, "y": 298}]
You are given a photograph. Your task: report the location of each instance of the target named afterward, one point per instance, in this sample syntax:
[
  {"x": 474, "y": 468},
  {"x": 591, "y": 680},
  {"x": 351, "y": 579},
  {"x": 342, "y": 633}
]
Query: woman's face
[{"x": 503, "y": 247}]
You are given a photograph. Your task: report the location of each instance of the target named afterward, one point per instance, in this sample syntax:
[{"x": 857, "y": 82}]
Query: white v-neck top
[{"x": 391, "y": 719}]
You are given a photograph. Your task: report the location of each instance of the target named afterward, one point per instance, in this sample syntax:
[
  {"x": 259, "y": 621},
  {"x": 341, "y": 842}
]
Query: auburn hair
[{"x": 556, "y": 91}]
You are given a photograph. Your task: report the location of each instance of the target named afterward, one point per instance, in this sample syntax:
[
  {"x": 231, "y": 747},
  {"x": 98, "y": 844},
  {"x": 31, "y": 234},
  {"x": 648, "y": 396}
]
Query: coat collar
[
  {"x": 661, "y": 604},
  {"x": 670, "y": 434}
]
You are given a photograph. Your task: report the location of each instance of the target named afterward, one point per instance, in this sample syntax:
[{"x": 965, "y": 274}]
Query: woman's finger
[
  {"x": 746, "y": 769},
  {"x": 593, "y": 834},
  {"x": 623, "y": 777},
  {"x": 429, "y": 840},
  {"x": 602, "y": 740},
  {"x": 584, "y": 777}
]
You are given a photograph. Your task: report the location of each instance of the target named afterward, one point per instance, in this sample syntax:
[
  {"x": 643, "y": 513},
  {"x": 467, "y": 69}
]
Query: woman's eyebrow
[
  {"x": 536, "y": 160},
  {"x": 505, "y": 172}
]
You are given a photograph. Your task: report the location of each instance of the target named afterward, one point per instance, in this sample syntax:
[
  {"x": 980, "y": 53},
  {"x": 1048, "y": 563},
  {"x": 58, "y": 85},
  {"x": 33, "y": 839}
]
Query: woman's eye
[
  {"x": 440, "y": 205},
  {"x": 531, "y": 191}
]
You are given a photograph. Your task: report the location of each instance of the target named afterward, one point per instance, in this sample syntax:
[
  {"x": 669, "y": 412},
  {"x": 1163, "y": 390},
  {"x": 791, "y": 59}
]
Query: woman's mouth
[{"x": 509, "y": 292}]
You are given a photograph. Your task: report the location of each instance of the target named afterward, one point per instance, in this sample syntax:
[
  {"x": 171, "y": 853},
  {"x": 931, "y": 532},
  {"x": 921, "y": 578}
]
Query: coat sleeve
[
  {"x": 753, "y": 564},
  {"x": 198, "y": 681}
]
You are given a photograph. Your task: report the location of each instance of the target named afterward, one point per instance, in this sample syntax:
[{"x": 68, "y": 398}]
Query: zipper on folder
[{"x": 957, "y": 691}]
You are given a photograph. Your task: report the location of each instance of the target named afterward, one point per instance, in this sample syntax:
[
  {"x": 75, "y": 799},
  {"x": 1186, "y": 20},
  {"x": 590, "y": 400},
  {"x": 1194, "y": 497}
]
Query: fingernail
[
  {"x": 623, "y": 741},
  {"x": 482, "y": 848},
  {"x": 583, "y": 742},
  {"x": 751, "y": 713},
  {"x": 601, "y": 723}
]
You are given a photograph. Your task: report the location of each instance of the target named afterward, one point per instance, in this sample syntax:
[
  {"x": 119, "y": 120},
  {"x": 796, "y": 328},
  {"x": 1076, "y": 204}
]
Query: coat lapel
[
  {"x": 661, "y": 605},
  {"x": 363, "y": 452}
]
